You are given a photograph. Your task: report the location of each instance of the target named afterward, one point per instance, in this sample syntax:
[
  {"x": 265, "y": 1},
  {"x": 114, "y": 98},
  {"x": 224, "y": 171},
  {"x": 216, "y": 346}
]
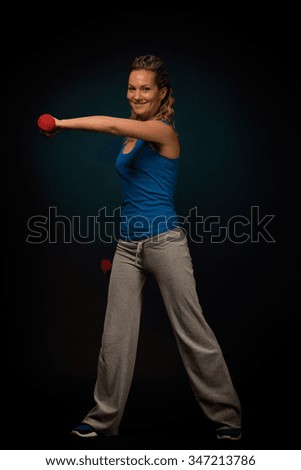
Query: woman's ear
[{"x": 163, "y": 93}]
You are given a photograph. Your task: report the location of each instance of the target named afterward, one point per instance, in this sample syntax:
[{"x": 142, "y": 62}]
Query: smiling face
[{"x": 143, "y": 94}]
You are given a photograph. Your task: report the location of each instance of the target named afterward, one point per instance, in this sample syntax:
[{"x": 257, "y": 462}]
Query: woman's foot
[
  {"x": 230, "y": 434},
  {"x": 84, "y": 430}
]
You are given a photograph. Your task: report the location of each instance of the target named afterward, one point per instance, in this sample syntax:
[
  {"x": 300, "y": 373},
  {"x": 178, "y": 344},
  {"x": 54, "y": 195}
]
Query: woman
[{"x": 151, "y": 241}]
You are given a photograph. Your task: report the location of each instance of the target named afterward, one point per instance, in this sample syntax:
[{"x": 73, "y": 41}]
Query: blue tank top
[{"x": 147, "y": 183}]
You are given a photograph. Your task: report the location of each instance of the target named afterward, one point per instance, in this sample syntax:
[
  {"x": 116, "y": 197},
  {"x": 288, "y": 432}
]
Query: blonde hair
[{"x": 156, "y": 65}]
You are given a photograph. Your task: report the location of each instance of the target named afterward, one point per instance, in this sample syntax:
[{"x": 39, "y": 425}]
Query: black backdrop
[{"x": 237, "y": 112}]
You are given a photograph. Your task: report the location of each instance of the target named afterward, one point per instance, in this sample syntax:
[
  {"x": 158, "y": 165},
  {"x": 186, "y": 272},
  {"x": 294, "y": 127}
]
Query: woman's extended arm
[{"x": 151, "y": 130}]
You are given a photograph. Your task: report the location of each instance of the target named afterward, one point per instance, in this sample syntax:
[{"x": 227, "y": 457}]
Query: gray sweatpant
[{"x": 167, "y": 258}]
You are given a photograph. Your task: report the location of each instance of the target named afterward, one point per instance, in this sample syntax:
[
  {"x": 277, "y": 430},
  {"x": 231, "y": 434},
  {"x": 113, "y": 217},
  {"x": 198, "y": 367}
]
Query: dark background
[{"x": 236, "y": 86}]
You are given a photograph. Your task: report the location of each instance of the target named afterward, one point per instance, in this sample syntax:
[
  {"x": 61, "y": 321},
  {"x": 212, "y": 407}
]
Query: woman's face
[{"x": 143, "y": 94}]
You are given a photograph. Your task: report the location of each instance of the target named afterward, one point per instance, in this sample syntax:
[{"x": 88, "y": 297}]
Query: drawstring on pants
[{"x": 138, "y": 250}]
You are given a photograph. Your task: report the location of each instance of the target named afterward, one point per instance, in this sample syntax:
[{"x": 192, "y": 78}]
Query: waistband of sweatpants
[{"x": 156, "y": 238}]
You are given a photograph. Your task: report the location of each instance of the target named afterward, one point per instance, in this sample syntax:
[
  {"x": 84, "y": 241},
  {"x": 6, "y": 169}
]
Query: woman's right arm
[{"x": 151, "y": 130}]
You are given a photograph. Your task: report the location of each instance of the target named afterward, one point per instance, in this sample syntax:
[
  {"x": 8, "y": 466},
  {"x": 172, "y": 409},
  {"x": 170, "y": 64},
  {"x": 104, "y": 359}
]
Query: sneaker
[
  {"x": 84, "y": 430},
  {"x": 230, "y": 434}
]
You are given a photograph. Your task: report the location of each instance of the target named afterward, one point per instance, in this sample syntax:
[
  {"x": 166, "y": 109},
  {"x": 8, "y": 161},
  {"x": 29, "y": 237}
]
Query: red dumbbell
[{"x": 46, "y": 123}]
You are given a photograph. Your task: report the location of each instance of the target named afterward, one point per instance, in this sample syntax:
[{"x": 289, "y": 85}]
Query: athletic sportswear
[{"x": 148, "y": 183}]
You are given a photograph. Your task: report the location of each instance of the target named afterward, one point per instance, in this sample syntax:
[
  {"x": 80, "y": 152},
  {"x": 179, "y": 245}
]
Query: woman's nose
[{"x": 137, "y": 95}]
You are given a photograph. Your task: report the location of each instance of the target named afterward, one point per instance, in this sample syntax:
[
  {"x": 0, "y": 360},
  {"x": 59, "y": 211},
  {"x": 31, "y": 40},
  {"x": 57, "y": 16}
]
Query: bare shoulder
[
  {"x": 161, "y": 135},
  {"x": 169, "y": 146}
]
